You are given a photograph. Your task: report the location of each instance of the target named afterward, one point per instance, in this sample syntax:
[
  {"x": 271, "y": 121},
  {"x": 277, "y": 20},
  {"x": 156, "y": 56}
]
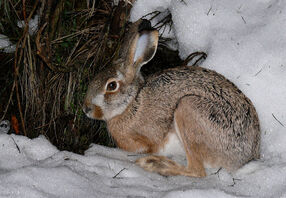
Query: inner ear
[{"x": 146, "y": 47}]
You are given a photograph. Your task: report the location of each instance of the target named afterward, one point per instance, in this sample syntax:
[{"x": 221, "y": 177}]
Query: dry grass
[
  {"x": 49, "y": 72},
  {"x": 52, "y": 67}
]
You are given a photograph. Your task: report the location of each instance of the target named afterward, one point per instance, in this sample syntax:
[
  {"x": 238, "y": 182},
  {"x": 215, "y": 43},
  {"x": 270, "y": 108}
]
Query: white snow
[
  {"x": 35, "y": 168},
  {"x": 6, "y": 45},
  {"x": 246, "y": 42},
  {"x": 33, "y": 24},
  {"x": 4, "y": 126}
]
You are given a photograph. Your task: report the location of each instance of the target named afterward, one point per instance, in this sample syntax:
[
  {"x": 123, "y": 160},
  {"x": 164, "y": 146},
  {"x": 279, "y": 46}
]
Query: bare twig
[
  {"x": 43, "y": 54},
  {"x": 243, "y": 20},
  {"x": 202, "y": 55},
  {"x": 258, "y": 72},
  {"x": 9, "y": 101},
  {"x": 278, "y": 120},
  {"x": 118, "y": 173},
  {"x": 233, "y": 180},
  {"x": 40, "y": 50},
  {"x": 16, "y": 74},
  {"x": 21, "y": 43},
  {"x": 215, "y": 173},
  {"x": 55, "y": 18},
  {"x": 165, "y": 21},
  {"x": 155, "y": 14},
  {"x": 16, "y": 145},
  {"x": 59, "y": 40},
  {"x": 209, "y": 11},
  {"x": 24, "y": 10}
]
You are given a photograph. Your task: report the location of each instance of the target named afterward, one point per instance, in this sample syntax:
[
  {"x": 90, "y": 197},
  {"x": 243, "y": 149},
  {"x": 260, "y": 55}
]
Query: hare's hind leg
[
  {"x": 191, "y": 136},
  {"x": 194, "y": 158},
  {"x": 189, "y": 127}
]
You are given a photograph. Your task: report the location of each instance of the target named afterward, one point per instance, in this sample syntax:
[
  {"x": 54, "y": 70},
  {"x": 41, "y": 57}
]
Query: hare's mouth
[{"x": 93, "y": 111}]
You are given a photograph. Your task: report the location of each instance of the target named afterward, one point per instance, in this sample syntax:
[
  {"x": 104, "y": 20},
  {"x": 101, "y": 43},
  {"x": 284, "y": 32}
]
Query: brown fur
[
  {"x": 97, "y": 112},
  {"x": 215, "y": 122}
]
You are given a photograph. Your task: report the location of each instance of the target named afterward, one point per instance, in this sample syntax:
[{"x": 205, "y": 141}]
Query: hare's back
[
  {"x": 181, "y": 81},
  {"x": 217, "y": 99}
]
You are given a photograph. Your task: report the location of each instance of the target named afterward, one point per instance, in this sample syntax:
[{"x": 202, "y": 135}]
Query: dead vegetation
[{"x": 47, "y": 76}]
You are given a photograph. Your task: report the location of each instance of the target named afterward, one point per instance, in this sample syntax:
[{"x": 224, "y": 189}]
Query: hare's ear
[
  {"x": 146, "y": 47},
  {"x": 142, "y": 50}
]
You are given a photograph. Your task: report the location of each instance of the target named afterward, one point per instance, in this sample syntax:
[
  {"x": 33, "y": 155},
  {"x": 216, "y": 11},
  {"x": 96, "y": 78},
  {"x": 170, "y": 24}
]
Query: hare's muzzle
[{"x": 92, "y": 111}]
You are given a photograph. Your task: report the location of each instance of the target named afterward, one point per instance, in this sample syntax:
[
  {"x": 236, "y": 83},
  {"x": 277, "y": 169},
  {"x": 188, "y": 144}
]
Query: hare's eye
[{"x": 111, "y": 86}]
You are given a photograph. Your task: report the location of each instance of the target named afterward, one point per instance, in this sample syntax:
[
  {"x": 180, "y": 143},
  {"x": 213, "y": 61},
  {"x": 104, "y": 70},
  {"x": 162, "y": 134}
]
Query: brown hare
[{"x": 185, "y": 110}]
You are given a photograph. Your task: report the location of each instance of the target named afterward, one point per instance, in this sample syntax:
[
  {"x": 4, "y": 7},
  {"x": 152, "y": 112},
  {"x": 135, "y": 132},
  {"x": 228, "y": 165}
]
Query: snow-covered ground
[
  {"x": 36, "y": 169},
  {"x": 245, "y": 41}
]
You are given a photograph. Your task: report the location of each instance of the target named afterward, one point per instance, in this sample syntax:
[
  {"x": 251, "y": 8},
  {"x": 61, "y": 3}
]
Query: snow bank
[{"x": 35, "y": 168}]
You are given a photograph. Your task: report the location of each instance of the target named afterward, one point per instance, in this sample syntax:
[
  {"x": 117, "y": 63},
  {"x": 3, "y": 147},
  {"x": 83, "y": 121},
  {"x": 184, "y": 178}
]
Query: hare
[{"x": 186, "y": 110}]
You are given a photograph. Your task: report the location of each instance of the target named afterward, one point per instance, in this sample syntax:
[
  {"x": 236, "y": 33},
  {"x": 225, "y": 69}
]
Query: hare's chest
[{"x": 171, "y": 146}]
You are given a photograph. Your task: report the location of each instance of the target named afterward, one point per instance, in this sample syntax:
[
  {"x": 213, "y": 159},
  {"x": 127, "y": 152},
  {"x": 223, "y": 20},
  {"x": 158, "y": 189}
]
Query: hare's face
[
  {"x": 116, "y": 86},
  {"x": 109, "y": 94}
]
